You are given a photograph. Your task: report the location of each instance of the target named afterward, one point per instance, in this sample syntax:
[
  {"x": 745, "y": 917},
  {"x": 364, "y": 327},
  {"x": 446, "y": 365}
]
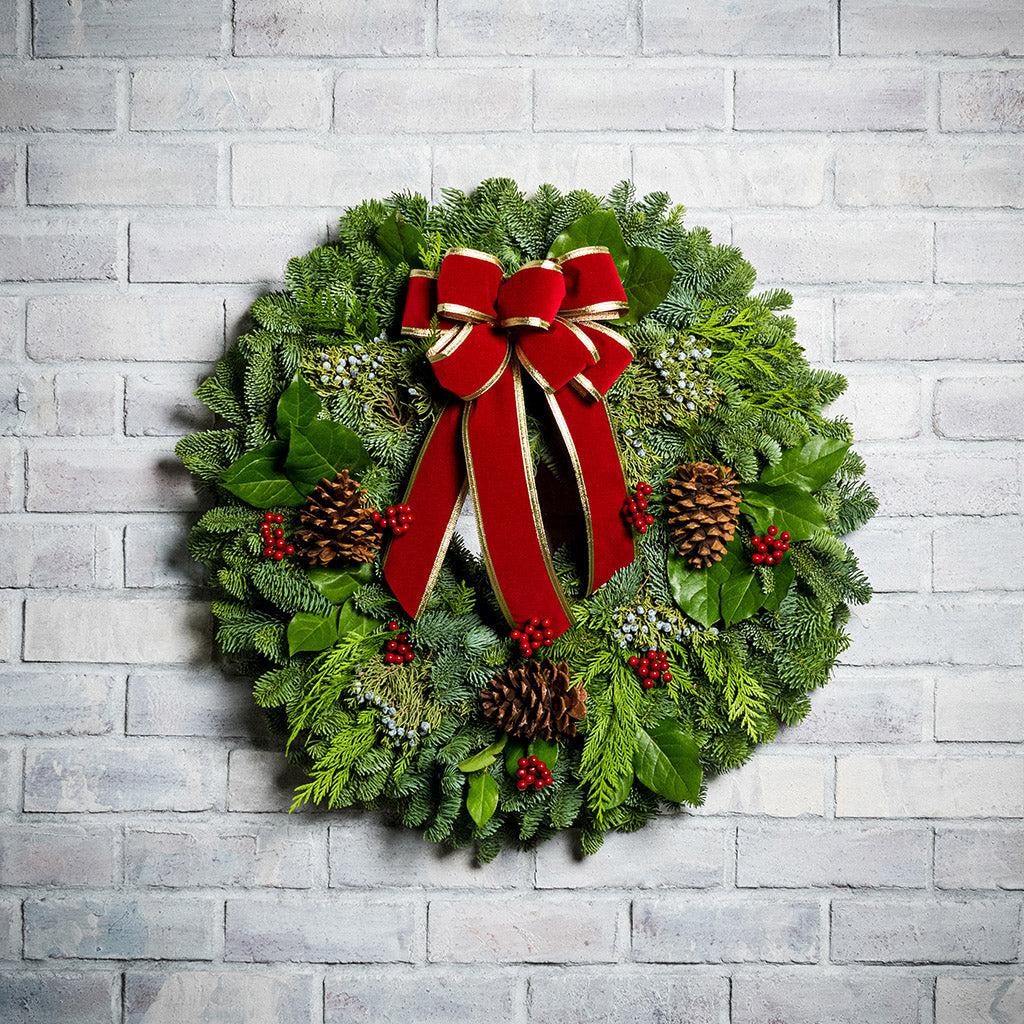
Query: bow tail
[
  {"x": 504, "y": 491},
  {"x": 436, "y": 490}
]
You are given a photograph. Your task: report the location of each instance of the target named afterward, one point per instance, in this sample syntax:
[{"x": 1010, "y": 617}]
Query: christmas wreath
[{"x": 661, "y": 578}]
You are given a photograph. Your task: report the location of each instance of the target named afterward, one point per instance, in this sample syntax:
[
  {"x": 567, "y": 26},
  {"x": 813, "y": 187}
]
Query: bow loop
[
  {"x": 467, "y": 286},
  {"x": 532, "y": 296}
]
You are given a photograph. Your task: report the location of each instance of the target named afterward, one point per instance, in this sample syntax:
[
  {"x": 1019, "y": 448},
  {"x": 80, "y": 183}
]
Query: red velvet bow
[{"x": 544, "y": 319}]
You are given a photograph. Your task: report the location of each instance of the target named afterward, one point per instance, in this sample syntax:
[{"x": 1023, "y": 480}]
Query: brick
[
  {"x": 781, "y": 786},
  {"x": 577, "y": 99},
  {"x": 526, "y": 929},
  {"x": 219, "y": 249},
  {"x": 261, "y": 780},
  {"x": 931, "y": 325},
  {"x": 122, "y": 777},
  {"x": 922, "y": 786},
  {"x": 521, "y": 27},
  {"x": 979, "y": 858},
  {"x": 226, "y": 99},
  {"x": 981, "y": 101},
  {"x": 263, "y": 929},
  {"x": 53, "y": 703},
  {"x": 10, "y": 632},
  {"x": 569, "y": 996},
  {"x": 894, "y": 629},
  {"x": 9, "y": 160},
  {"x": 289, "y": 174},
  {"x": 980, "y": 706},
  {"x": 960, "y": 566},
  {"x": 8, "y": 27},
  {"x": 372, "y": 101},
  {"x": 12, "y": 474},
  {"x": 162, "y": 405},
  {"x": 832, "y": 99},
  {"x": 59, "y": 855},
  {"x": 120, "y": 927},
  {"x": 982, "y": 408},
  {"x": 874, "y": 543},
  {"x": 55, "y": 99},
  {"x": 821, "y": 995},
  {"x": 363, "y": 854},
  {"x": 454, "y": 995},
  {"x": 963, "y": 27},
  {"x": 796, "y": 856},
  {"x": 10, "y": 779},
  {"x": 92, "y": 28},
  {"x": 155, "y": 328},
  {"x": 10, "y": 929},
  {"x": 119, "y": 175},
  {"x": 156, "y": 555},
  {"x": 881, "y": 406},
  {"x": 988, "y": 1000},
  {"x": 37, "y": 998},
  {"x": 980, "y": 251},
  {"x": 677, "y": 854},
  {"x": 925, "y": 175},
  {"x": 227, "y": 997},
  {"x": 64, "y": 404},
  {"x": 45, "y": 556},
  {"x": 924, "y": 931},
  {"x": 591, "y": 166},
  {"x": 138, "y": 480},
  {"x": 863, "y": 707},
  {"x": 323, "y": 29},
  {"x": 243, "y": 856},
  {"x": 735, "y": 175},
  {"x": 812, "y": 249},
  {"x": 773, "y": 27},
  {"x": 191, "y": 703},
  {"x": 720, "y": 929},
  {"x": 12, "y": 327},
  {"x": 57, "y": 250}
]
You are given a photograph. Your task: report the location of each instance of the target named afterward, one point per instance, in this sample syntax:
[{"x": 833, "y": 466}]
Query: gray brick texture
[{"x": 159, "y": 164}]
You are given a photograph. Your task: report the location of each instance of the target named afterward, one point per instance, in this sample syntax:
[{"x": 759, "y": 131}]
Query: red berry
[
  {"x": 279, "y": 532},
  {"x": 268, "y": 552},
  {"x": 771, "y": 560},
  {"x": 521, "y": 784},
  {"x": 757, "y": 559},
  {"x": 402, "y": 637},
  {"x": 516, "y": 635},
  {"x": 784, "y": 536},
  {"x": 541, "y": 765},
  {"x": 782, "y": 547},
  {"x": 772, "y": 530},
  {"x": 755, "y": 541},
  {"x": 279, "y": 518},
  {"x": 278, "y": 555},
  {"x": 289, "y": 549},
  {"x": 392, "y": 624},
  {"x": 391, "y": 645},
  {"x": 634, "y": 661},
  {"x": 521, "y": 773},
  {"x": 654, "y": 675},
  {"x": 647, "y": 684},
  {"x": 532, "y": 761},
  {"x": 280, "y": 545},
  {"x": 409, "y": 656},
  {"x": 667, "y": 676},
  {"x": 269, "y": 517},
  {"x": 524, "y": 762}
]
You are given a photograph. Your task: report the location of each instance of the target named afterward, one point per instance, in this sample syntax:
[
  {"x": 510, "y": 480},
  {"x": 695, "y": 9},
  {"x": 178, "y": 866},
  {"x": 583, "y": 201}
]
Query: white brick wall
[{"x": 159, "y": 163}]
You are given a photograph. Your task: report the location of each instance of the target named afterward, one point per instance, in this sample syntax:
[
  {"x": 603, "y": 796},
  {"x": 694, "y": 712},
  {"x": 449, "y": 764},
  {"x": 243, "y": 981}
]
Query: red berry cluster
[
  {"x": 274, "y": 544},
  {"x": 536, "y": 633},
  {"x": 399, "y": 650},
  {"x": 651, "y": 667},
  {"x": 396, "y": 518},
  {"x": 634, "y": 509},
  {"x": 770, "y": 549},
  {"x": 532, "y": 772}
]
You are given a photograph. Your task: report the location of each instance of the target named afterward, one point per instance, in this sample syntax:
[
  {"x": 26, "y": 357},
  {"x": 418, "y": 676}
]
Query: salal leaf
[
  {"x": 790, "y": 508},
  {"x": 667, "y": 761},
  {"x": 298, "y": 406},
  {"x": 399, "y": 242},
  {"x": 323, "y": 449},
  {"x": 256, "y": 478},
  {"x": 648, "y": 279},
  {"x": 694, "y": 591},
  {"x": 598, "y": 228},
  {"x": 339, "y": 585},
  {"x": 741, "y": 597},
  {"x": 544, "y": 751},
  {"x": 481, "y": 798},
  {"x": 513, "y": 752},
  {"x": 483, "y": 758},
  {"x": 784, "y": 576},
  {"x": 350, "y": 620},
  {"x": 308, "y": 632},
  {"x": 625, "y": 784},
  {"x": 809, "y": 466}
]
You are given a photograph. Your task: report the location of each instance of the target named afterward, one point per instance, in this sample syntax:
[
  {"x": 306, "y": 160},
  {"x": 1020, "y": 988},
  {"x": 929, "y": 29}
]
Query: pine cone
[
  {"x": 536, "y": 699},
  {"x": 336, "y": 523},
  {"x": 703, "y": 504}
]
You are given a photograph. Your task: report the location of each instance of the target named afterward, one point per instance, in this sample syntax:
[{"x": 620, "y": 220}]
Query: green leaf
[
  {"x": 513, "y": 752},
  {"x": 255, "y": 478},
  {"x": 598, "y": 228},
  {"x": 784, "y": 576},
  {"x": 484, "y": 757},
  {"x": 543, "y": 751},
  {"x": 625, "y": 784},
  {"x": 323, "y": 449},
  {"x": 297, "y": 407},
  {"x": 667, "y": 761},
  {"x": 481, "y": 798},
  {"x": 339, "y": 585},
  {"x": 352, "y": 621},
  {"x": 789, "y": 508},
  {"x": 810, "y": 466},
  {"x": 399, "y": 242},
  {"x": 695, "y": 591},
  {"x": 648, "y": 279},
  {"x": 741, "y": 597},
  {"x": 308, "y": 632}
]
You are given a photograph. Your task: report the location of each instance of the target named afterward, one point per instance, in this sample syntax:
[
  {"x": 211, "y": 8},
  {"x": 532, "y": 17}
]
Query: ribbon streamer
[{"x": 545, "y": 320}]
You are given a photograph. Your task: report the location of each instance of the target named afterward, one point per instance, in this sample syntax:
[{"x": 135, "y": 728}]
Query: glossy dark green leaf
[
  {"x": 350, "y": 620},
  {"x": 298, "y": 406},
  {"x": 308, "y": 632},
  {"x": 667, "y": 761},
  {"x": 694, "y": 591},
  {"x": 648, "y": 279},
  {"x": 598, "y": 228},
  {"x": 258, "y": 479},
  {"x": 399, "y": 242},
  {"x": 790, "y": 508},
  {"x": 513, "y": 752},
  {"x": 323, "y": 449},
  {"x": 625, "y": 784},
  {"x": 544, "y": 751},
  {"x": 784, "y": 574},
  {"x": 338, "y": 585},
  {"x": 809, "y": 466},
  {"x": 481, "y": 798},
  {"x": 741, "y": 596},
  {"x": 483, "y": 758}
]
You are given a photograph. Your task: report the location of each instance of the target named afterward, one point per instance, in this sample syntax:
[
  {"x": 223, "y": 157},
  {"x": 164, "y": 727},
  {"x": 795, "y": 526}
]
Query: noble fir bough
[{"x": 662, "y": 503}]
